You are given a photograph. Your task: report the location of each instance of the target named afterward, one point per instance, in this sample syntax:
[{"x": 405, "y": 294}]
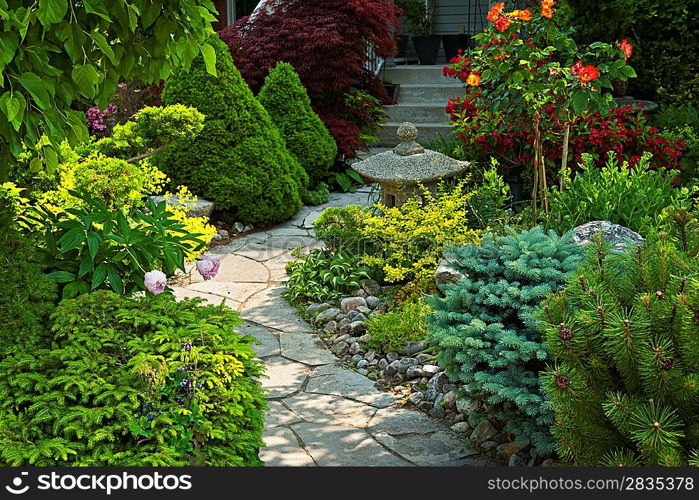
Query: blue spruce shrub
[
  {"x": 239, "y": 160},
  {"x": 483, "y": 331}
]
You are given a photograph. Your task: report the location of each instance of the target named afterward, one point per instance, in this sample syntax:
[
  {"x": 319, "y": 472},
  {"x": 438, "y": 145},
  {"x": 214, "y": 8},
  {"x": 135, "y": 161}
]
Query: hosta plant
[{"x": 322, "y": 275}]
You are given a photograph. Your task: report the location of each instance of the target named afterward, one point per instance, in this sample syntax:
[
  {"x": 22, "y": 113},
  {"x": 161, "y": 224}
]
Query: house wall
[{"x": 460, "y": 16}]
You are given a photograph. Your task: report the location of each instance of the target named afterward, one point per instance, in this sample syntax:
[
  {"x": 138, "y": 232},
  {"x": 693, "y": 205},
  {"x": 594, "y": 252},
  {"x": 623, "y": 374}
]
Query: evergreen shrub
[
  {"x": 239, "y": 160},
  {"x": 624, "y": 337},
  {"x": 287, "y": 102},
  {"x": 482, "y": 331},
  {"x": 133, "y": 382}
]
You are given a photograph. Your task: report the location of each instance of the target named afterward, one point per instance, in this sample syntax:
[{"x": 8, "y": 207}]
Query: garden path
[{"x": 321, "y": 412}]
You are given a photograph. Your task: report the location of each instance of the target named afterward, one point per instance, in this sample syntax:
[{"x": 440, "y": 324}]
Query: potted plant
[
  {"x": 420, "y": 18},
  {"x": 454, "y": 43}
]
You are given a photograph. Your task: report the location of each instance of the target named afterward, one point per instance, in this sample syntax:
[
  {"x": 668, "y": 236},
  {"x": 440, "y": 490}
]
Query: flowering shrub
[
  {"x": 95, "y": 119},
  {"x": 532, "y": 94},
  {"x": 133, "y": 382},
  {"x": 191, "y": 225}
]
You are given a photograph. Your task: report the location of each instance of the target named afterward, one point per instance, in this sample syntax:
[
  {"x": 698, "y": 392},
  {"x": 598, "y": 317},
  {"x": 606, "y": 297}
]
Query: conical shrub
[
  {"x": 287, "y": 102},
  {"x": 239, "y": 160}
]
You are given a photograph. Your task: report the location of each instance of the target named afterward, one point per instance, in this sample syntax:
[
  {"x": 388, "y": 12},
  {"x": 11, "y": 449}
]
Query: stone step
[
  {"x": 427, "y": 132},
  {"x": 417, "y": 74},
  {"x": 418, "y": 93},
  {"x": 417, "y": 113}
]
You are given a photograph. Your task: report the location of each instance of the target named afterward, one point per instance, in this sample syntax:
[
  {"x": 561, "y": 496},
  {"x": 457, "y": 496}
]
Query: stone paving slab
[
  {"x": 238, "y": 269},
  {"x": 268, "y": 341},
  {"x": 279, "y": 415},
  {"x": 214, "y": 300},
  {"x": 330, "y": 410},
  {"x": 305, "y": 348},
  {"x": 238, "y": 292},
  {"x": 284, "y": 377},
  {"x": 338, "y": 446},
  {"x": 268, "y": 308},
  {"x": 340, "y": 381},
  {"x": 283, "y": 449}
]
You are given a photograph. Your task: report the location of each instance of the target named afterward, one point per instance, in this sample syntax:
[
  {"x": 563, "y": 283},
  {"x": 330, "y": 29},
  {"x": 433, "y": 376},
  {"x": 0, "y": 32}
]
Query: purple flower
[
  {"x": 208, "y": 266},
  {"x": 155, "y": 282},
  {"x": 187, "y": 346}
]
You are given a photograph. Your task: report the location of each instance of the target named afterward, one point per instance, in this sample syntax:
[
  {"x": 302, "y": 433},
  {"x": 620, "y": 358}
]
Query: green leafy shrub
[
  {"x": 409, "y": 240},
  {"x": 98, "y": 247},
  {"x": 28, "y": 296},
  {"x": 481, "y": 326},
  {"x": 133, "y": 382},
  {"x": 682, "y": 122},
  {"x": 403, "y": 325},
  {"x": 634, "y": 197},
  {"x": 322, "y": 275},
  {"x": 624, "y": 336},
  {"x": 239, "y": 161},
  {"x": 287, "y": 102},
  {"x": 317, "y": 196},
  {"x": 341, "y": 229}
]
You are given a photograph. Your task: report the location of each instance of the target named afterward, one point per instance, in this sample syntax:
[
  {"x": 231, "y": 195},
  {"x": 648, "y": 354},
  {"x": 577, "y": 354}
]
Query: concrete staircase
[{"x": 422, "y": 96}]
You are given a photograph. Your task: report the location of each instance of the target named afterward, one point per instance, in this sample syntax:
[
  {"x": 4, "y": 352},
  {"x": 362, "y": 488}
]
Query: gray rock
[
  {"x": 363, "y": 310},
  {"x": 431, "y": 369},
  {"x": 364, "y": 339},
  {"x": 355, "y": 348},
  {"x": 359, "y": 317},
  {"x": 248, "y": 228},
  {"x": 438, "y": 400},
  {"x": 340, "y": 348},
  {"x": 392, "y": 368},
  {"x": 356, "y": 358},
  {"x": 239, "y": 227},
  {"x": 372, "y": 301},
  {"x": 314, "y": 309},
  {"x": 445, "y": 275},
  {"x": 413, "y": 372},
  {"x": 549, "y": 462},
  {"x": 217, "y": 237},
  {"x": 461, "y": 428},
  {"x": 345, "y": 329},
  {"x": 371, "y": 287},
  {"x": 466, "y": 406},
  {"x": 370, "y": 355},
  {"x": 425, "y": 405},
  {"x": 484, "y": 432},
  {"x": 416, "y": 397},
  {"x": 489, "y": 445},
  {"x": 363, "y": 371},
  {"x": 383, "y": 363},
  {"x": 363, "y": 363},
  {"x": 202, "y": 208},
  {"x": 618, "y": 236},
  {"x": 342, "y": 338},
  {"x": 501, "y": 437},
  {"x": 411, "y": 349},
  {"x": 438, "y": 412},
  {"x": 450, "y": 400},
  {"x": 358, "y": 327},
  {"x": 222, "y": 233},
  {"x": 331, "y": 327},
  {"x": 423, "y": 358},
  {"x": 352, "y": 314},
  {"x": 352, "y": 303},
  {"x": 341, "y": 322},
  {"x": 392, "y": 356},
  {"x": 406, "y": 363},
  {"x": 516, "y": 461},
  {"x": 439, "y": 380},
  {"x": 327, "y": 315}
]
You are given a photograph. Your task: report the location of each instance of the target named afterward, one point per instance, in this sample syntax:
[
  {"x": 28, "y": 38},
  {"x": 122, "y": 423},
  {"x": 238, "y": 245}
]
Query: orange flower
[
  {"x": 627, "y": 48},
  {"x": 588, "y": 73},
  {"x": 522, "y": 15},
  {"x": 547, "y": 8},
  {"x": 502, "y": 24},
  {"x": 494, "y": 13},
  {"x": 474, "y": 79}
]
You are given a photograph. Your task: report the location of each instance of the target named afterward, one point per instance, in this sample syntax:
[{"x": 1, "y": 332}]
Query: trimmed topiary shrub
[
  {"x": 287, "y": 102},
  {"x": 133, "y": 382},
  {"x": 624, "y": 335},
  {"x": 482, "y": 331},
  {"x": 239, "y": 161}
]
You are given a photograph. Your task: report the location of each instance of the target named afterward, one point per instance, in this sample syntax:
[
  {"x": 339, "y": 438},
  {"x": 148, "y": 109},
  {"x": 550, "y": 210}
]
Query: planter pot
[
  {"x": 427, "y": 48},
  {"x": 619, "y": 88},
  {"x": 401, "y": 45},
  {"x": 392, "y": 90},
  {"x": 452, "y": 44}
]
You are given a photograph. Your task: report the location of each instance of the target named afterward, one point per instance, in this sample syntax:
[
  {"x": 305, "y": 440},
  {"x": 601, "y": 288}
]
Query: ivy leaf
[
  {"x": 51, "y": 11},
  {"x": 207, "y": 51},
  {"x": 86, "y": 77}
]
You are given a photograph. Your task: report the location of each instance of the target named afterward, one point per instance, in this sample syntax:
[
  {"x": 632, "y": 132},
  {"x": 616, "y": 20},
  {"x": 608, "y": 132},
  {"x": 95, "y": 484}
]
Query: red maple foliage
[{"x": 326, "y": 42}]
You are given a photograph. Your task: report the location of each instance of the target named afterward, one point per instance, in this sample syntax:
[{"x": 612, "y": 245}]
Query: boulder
[
  {"x": 618, "y": 236},
  {"x": 351, "y": 303},
  {"x": 446, "y": 275},
  {"x": 202, "y": 208}
]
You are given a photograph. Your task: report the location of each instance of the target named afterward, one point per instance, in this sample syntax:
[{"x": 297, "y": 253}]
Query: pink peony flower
[
  {"x": 208, "y": 266},
  {"x": 155, "y": 282}
]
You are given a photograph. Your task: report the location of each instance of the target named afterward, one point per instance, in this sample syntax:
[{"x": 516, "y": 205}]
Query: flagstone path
[{"x": 321, "y": 412}]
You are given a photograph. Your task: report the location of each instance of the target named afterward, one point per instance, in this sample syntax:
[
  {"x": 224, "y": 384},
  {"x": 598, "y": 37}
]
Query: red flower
[
  {"x": 575, "y": 68},
  {"x": 627, "y": 48},
  {"x": 588, "y": 73},
  {"x": 502, "y": 24}
]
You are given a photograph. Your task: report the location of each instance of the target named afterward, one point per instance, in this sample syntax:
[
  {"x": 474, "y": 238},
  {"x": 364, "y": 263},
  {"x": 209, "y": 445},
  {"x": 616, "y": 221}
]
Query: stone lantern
[{"x": 406, "y": 171}]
